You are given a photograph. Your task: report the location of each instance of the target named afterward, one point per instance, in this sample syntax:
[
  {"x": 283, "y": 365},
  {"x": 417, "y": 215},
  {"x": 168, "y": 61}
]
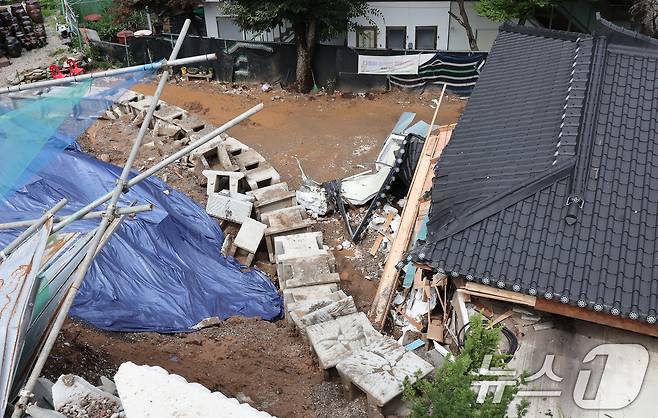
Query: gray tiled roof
[{"x": 549, "y": 185}]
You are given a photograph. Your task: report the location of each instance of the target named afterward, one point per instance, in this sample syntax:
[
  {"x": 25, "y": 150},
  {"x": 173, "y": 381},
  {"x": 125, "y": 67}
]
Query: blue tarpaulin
[{"x": 161, "y": 271}]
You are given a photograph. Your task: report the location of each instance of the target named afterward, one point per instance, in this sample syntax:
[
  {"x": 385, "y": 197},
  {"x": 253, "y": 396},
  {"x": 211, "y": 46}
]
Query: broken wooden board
[
  {"x": 336, "y": 340},
  {"x": 380, "y": 367},
  {"x": 424, "y": 173}
]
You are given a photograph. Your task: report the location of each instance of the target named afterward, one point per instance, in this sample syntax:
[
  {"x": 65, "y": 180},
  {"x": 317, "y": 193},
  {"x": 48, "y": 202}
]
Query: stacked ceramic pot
[{"x": 21, "y": 28}]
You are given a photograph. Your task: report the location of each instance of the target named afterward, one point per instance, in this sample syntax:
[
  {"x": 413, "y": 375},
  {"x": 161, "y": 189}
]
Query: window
[
  {"x": 366, "y": 37},
  {"x": 396, "y": 37},
  {"x": 426, "y": 37}
]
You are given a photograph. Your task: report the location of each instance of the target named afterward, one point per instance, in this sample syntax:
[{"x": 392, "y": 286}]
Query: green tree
[
  {"x": 450, "y": 394},
  {"x": 508, "y": 10},
  {"x": 311, "y": 20}
]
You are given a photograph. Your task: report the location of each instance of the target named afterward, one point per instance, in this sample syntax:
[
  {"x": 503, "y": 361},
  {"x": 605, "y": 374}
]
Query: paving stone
[
  {"x": 380, "y": 367},
  {"x": 336, "y": 340},
  {"x": 232, "y": 207},
  {"x": 250, "y": 235},
  {"x": 308, "y": 244}
]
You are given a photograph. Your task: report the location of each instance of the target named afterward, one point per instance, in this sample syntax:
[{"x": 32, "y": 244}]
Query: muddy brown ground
[{"x": 333, "y": 137}]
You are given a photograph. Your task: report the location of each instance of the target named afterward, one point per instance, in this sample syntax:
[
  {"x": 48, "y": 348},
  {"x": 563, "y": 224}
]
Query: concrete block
[
  {"x": 289, "y": 247},
  {"x": 207, "y": 147},
  {"x": 222, "y": 180},
  {"x": 142, "y": 106},
  {"x": 234, "y": 147},
  {"x": 305, "y": 306},
  {"x": 263, "y": 176},
  {"x": 167, "y": 129},
  {"x": 275, "y": 200},
  {"x": 195, "y": 136},
  {"x": 190, "y": 124},
  {"x": 336, "y": 340},
  {"x": 296, "y": 268},
  {"x": 250, "y": 235},
  {"x": 284, "y": 221},
  {"x": 248, "y": 159},
  {"x": 169, "y": 113},
  {"x": 230, "y": 207},
  {"x": 153, "y": 392},
  {"x": 380, "y": 367},
  {"x": 266, "y": 193}
]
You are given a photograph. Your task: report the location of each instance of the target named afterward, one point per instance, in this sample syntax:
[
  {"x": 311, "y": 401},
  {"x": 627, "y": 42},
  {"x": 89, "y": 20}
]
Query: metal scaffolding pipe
[
  {"x": 128, "y": 210},
  {"x": 167, "y": 64},
  {"x": 29, "y": 231},
  {"x": 159, "y": 166},
  {"x": 96, "y": 240}
]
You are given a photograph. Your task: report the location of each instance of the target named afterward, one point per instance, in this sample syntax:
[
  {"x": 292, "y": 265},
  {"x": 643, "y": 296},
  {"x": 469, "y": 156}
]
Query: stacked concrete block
[{"x": 282, "y": 222}]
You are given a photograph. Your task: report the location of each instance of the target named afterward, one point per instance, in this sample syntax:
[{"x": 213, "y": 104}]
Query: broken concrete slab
[
  {"x": 35, "y": 411},
  {"x": 308, "y": 293},
  {"x": 380, "y": 367},
  {"x": 336, "y": 340},
  {"x": 284, "y": 221},
  {"x": 313, "y": 280},
  {"x": 262, "y": 176},
  {"x": 342, "y": 307},
  {"x": 305, "y": 306},
  {"x": 152, "y": 392},
  {"x": 74, "y": 393},
  {"x": 141, "y": 106},
  {"x": 308, "y": 244},
  {"x": 266, "y": 193},
  {"x": 222, "y": 180},
  {"x": 232, "y": 207}
]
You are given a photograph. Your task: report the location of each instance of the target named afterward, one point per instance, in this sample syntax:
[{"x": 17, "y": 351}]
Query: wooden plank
[
  {"x": 501, "y": 318},
  {"x": 600, "y": 318},
  {"x": 476, "y": 289},
  {"x": 380, "y": 237},
  {"x": 387, "y": 284}
]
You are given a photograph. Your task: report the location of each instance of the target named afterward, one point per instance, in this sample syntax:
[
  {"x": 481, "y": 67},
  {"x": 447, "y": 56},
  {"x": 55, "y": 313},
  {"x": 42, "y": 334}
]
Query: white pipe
[
  {"x": 109, "y": 73},
  {"x": 128, "y": 210}
]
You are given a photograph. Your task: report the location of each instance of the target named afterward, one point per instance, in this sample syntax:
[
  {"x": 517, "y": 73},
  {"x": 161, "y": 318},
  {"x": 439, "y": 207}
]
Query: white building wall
[
  {"x": 220, "y": 25},
  {"x": 485, "y": 30},
  {"x": 408, "y": 14}
]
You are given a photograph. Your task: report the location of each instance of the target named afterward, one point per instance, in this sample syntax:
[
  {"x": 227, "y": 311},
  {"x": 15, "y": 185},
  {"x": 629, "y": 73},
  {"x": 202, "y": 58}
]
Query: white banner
[{"x": 396, "y": 64}]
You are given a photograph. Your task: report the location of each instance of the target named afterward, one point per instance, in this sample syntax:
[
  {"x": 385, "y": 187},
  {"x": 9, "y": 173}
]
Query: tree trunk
[
  {"x": 305, "y": 39},
  {"x": 472, "y": 40}
]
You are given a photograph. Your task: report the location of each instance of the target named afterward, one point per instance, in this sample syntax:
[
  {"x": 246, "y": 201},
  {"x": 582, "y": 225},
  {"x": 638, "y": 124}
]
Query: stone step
[
  {"x": 379, "y": 368},
  {"x": 336, "y": 340},
  {"x": 322, "y": 312}
]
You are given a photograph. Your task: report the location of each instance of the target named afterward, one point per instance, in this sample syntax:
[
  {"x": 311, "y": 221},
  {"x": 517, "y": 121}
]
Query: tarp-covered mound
[{"x": 161, "y": 271}]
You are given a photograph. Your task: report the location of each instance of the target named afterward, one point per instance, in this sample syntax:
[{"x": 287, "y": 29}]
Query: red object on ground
[
  {"x": 94, "y": 17},
  {"x": 124, "y": 35},
  {"x": 73, "y": 67},
  {"x": 55, "y": 71}
]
